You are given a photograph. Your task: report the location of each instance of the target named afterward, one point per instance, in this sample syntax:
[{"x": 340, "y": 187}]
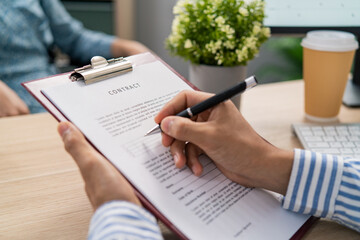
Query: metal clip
[{"x": 101, "y": 69}]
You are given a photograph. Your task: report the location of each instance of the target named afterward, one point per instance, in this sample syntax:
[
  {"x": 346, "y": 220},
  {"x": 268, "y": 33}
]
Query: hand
[
  {"x": 224, "y": 135},
  {"x": 103, "y": 183},
  {"x": 123, "y": 48},
  {"x": 10, "y": 103}
]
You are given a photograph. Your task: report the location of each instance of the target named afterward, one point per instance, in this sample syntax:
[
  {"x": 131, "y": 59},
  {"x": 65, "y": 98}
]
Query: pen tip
[{"x": 153, "y": 130}]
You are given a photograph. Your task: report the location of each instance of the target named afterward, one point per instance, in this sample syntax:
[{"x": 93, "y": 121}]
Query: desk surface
[{"x": 42, "y": 194}]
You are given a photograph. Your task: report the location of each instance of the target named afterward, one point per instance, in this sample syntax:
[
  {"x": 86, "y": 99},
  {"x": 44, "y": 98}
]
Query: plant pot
[{"x": 214, "y": 79}]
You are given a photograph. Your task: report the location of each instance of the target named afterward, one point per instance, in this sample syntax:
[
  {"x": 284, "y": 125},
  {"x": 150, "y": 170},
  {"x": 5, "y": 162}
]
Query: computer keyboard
[{"x": 338, "y": 139}]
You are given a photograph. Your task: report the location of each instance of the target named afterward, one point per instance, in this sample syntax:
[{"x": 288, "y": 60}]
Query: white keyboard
[{"x": 338, "y": 139}]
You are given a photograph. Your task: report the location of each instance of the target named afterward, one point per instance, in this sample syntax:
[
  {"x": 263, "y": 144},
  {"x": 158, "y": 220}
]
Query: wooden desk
[{"x": 42, "y": 195}]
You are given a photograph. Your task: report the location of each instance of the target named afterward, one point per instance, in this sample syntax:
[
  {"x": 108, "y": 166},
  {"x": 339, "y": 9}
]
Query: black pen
[{"x": 214, "y": 100}]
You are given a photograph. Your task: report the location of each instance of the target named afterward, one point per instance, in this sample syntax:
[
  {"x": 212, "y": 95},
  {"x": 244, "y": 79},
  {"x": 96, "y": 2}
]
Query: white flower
[
  {"x": 243, "y": 11},
  {"x": 188, "y": 44},
  {"x": 242, "y": 54},
  {"x": 177, "y": 9},
  {"x": 250, "y": 42},
  {"x": 175, "y": 25},
  {"x": 228, "y": 30},
  {"x": 266, "y": 32},
  {"x": 247, "y": 2},
  {"x": 256, "y": 29},
  {"x": 229, "y": 44},
  {"x": 220, "y": 20},
  {"x": 220, "y": 58}
]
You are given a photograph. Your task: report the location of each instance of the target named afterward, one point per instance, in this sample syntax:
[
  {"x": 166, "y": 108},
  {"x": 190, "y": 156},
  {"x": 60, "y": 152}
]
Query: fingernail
[
  {"x": 63, "y": 129},
  {"x": 176, "y": 159},
  {"x": 196, "y": 170},
  {"x": 166, "y": 125}
]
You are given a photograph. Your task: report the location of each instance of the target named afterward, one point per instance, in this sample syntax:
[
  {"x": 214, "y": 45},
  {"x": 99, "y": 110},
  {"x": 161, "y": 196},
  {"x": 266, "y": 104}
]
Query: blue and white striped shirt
[
  {"x": 325, "y": 186},
  {"x": 123, "y": 220},
  {"x": 322, "y": 185}
]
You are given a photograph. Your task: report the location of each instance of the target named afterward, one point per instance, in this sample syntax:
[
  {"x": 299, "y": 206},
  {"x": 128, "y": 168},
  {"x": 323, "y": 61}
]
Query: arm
[
  {"x": 118, "y": 212},
  {"x": 325, "y": 186},
  {"x": 321, "y": 185},
  {"x": 80, "y": 43}
]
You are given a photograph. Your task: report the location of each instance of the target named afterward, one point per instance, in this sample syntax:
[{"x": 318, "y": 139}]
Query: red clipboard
[{"x": 34, "y": 87}]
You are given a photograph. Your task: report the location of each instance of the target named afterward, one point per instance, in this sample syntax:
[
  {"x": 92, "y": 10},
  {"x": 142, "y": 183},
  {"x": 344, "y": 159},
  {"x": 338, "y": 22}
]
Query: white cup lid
[{"x": 332, "y": 41}]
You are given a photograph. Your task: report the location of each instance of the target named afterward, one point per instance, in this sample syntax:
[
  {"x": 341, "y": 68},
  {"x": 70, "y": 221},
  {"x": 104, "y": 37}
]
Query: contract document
[{"x": 115, "y": 114}]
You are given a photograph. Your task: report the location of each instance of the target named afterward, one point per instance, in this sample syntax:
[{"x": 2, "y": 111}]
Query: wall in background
[
  {"x": 150, "y": 23},
  {"x": 95, "y": 15}
]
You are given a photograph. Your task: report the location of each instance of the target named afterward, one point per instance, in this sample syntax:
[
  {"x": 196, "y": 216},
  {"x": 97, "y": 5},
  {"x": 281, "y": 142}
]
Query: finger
[
  {"x": 186, "y": 130},
  {"x": 192, "y": 156},
  {"x": 23, "y": 109},
  {"x": 166, "y": 140},
  {"x": 177, "y": 151},
  {"x": 180, "y": 102}
]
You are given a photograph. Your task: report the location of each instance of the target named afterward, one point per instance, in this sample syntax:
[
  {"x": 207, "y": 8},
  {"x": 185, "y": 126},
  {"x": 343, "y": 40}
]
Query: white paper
[{"x": 115, "y": 114}]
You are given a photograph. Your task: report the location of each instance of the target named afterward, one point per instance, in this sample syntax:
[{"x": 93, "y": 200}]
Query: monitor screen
[
  {"x": 312, "y": 13},
  {"x": 300, "y": 16}
]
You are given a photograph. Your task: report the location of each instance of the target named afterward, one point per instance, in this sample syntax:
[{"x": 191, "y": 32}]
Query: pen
[{"x": 212, "y": 101}]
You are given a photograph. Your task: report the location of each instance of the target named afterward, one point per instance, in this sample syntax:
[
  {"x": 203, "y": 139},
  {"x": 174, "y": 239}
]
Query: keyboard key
[
  {"x": 343, "y": 133},
  {"x": 354, "y": 138},
  {"x": 319, "y": 133},
  {"x": 318, "y": 145},
  {"x": 340, "y": 128},
  {"x": 346, "y": 150},
  {"x": 341, "y": 138},
  {"x": 313, "y": 139},
  {"x": 348, "y": 144},
  {"x": 328, "y": 139},
  {"x": 304, "y": 128},
  {"x": 326, "y": 150},
  {"x": 329, "y": 129},
  {"x": 307, "y": 133},
  {"x": 355, "y": 133},
  {"x": 354, "y": 128},
  {"x": 331, "y": 133},
  {"x": 356, "y": 150},
  {"x": 335, "y": 144}
]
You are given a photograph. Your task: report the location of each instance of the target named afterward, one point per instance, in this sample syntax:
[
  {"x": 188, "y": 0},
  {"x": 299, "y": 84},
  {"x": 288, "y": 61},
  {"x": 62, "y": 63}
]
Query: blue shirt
[
  {"x": 29, "y": 29},
  {"x": 321, "y": 185}
]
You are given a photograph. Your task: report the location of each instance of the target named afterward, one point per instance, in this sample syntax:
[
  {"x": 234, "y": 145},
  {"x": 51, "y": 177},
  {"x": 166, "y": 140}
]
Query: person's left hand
[
  {"x": 103, "y": 183},
  {"x": 123, "y": 48}
]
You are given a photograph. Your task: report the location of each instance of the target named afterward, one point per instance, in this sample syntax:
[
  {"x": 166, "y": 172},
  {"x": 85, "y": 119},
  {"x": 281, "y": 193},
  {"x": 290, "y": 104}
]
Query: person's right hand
[
  {"x": 227, "y": 138},
  {"x": 10, "y": 103}
]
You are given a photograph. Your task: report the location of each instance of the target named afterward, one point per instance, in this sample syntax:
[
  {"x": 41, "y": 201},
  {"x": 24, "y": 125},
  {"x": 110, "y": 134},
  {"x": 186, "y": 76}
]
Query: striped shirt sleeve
[
  {"x": 325, "y": 186},
  {"x": 123, "y": 220}
]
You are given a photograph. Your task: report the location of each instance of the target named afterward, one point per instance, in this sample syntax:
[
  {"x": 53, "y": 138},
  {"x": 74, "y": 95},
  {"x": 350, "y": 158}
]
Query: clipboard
[{"x": 35, "y": 87}]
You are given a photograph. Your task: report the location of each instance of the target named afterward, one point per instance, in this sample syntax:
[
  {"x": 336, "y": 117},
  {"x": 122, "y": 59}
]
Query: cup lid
[{"x": 332, "y": 41}]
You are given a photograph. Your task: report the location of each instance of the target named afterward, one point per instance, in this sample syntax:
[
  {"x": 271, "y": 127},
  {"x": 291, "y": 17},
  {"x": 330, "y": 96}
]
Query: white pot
[{"x": 217, "y": 78}]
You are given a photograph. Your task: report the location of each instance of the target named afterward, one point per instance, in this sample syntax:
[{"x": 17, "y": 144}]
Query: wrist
[{"x": 275, "y": 170}]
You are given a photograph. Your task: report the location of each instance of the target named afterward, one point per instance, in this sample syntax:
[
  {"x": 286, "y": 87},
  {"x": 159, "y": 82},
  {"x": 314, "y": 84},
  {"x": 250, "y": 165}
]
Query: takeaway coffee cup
[{"x": 327, "y": 60}]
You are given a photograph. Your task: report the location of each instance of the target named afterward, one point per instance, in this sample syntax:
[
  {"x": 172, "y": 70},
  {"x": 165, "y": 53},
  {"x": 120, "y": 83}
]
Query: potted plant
[{"x": 218, "y": 37}]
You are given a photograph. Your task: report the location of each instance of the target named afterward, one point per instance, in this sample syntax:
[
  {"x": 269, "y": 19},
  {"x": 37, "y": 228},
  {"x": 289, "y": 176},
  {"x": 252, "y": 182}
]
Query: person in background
[
  {"x": 316, "y": 184},
  {"x": 29, "y": 31}
]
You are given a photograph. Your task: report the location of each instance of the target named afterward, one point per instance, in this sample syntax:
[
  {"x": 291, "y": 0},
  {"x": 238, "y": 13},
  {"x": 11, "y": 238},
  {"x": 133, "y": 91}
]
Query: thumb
[
  {"x": 184, "y": 129},
  {"x": 75, "y": 143}
]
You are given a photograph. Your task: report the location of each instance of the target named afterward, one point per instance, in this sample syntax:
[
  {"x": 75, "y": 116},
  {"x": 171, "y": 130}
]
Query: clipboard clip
[{"x": 101, "y": 69}]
